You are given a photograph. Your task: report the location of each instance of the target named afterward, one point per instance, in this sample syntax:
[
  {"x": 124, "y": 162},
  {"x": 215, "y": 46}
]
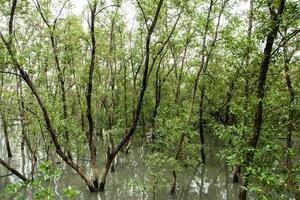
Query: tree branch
[
  {"x": 12, "y": 73},
  {"x": 14, "y": 171},
  {"x": 143, "y": 13}
]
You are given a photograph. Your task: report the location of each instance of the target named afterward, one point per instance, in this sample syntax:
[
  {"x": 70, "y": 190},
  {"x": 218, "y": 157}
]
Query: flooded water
[{"x": 132, "y": 177}]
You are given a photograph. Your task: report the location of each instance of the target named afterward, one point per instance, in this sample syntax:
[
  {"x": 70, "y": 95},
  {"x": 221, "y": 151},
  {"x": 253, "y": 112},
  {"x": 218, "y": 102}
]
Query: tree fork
[{"x": 111, "y": 155}]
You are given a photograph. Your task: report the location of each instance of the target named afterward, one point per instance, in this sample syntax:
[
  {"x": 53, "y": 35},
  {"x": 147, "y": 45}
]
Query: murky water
[{"x": 132, "y": 178}]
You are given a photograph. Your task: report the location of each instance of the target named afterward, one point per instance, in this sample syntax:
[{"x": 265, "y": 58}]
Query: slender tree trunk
[
  {"x": 159, "y": 81},
  {"x": 125, "y": 95},
  {"x": 60, "y": 71},
  {"x": 19, "y": 90},
  {"x": 178, "y": 91},
  {"x": 203, "y": 69},
  {"x": 173, "y": 188},
  {"x": 264, "y": 68},
  {"x": 178, "y": 103},
  {"x": 5, "y": 130},
  {"x": 203, "y": 53},
  {"x": 290, "y": 128},
  {"x": 157, "y": 101},
  {"x": 90, "y": 134},
  {"x": 291, "y": 110},
  {"x": 4, "y": 123},
  {"x": 82, "y": 117},
  {"x": 201, "y": 125},
  {"x": 249, "y": 35},
  {"x": 111, "y": 82},
  {"x": 237, "y": 169},
  {"x": 109, "y": 120},
  {"x": 22, "y": 120},
  {"x": 63, "y": 92}
]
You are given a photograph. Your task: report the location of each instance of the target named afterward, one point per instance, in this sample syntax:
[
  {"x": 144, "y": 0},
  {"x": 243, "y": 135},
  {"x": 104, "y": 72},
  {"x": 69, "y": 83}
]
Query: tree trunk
[
  {"x": 22, "y": 120},
  {"x": 201, "y": 125},
  {"x": 5, "y": 130},
  {"x": 261, "y": 93},
  {"x": 202, "y": 70},
  {"x": 173, "y": 188},
  {"x": 237, "y": 169},
  {"x": 203, "y": 52},
  {"x": 90, "y": 134},
  {"x": 60, "y": 72},
  {"x": 290, "y": 128},
  {"x": 63, "y": 92}
]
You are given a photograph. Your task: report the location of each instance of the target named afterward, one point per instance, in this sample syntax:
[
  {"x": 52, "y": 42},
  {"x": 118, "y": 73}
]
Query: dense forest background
[{"x": 184, "y": 78}]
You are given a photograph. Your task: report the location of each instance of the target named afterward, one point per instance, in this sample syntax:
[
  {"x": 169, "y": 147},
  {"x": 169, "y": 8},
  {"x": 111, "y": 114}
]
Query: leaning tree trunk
[{"x": 60, "y": 71}]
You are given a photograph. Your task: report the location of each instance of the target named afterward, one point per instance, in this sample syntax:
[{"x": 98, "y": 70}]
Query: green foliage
[
  {"x": 233, "y": 55},
  {"x": 47, "y": 172},
  {"x": 70, "y": 192},
  {"x": 44, "y": 193},
  {"x": 13, "y": 188},
  {"x": 136, "y": 185}
]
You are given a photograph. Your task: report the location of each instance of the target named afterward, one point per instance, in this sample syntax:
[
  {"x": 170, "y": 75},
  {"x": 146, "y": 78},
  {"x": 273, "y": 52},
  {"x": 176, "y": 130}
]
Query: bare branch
[
  {"x": 165, "y": 42},
  {"x": 60, "y": 11},
  {"x": 12, "y": 73},
  {"x": 105, "y": 7},
  {"x": 38, "y": 7},
  {"x": 285, "y": 39},
  {"x": 14, "y": 171},
  {"x": 143, "y": 13}
]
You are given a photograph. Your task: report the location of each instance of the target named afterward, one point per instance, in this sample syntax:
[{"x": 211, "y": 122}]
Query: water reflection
[{"x": 210, "y": 182}]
